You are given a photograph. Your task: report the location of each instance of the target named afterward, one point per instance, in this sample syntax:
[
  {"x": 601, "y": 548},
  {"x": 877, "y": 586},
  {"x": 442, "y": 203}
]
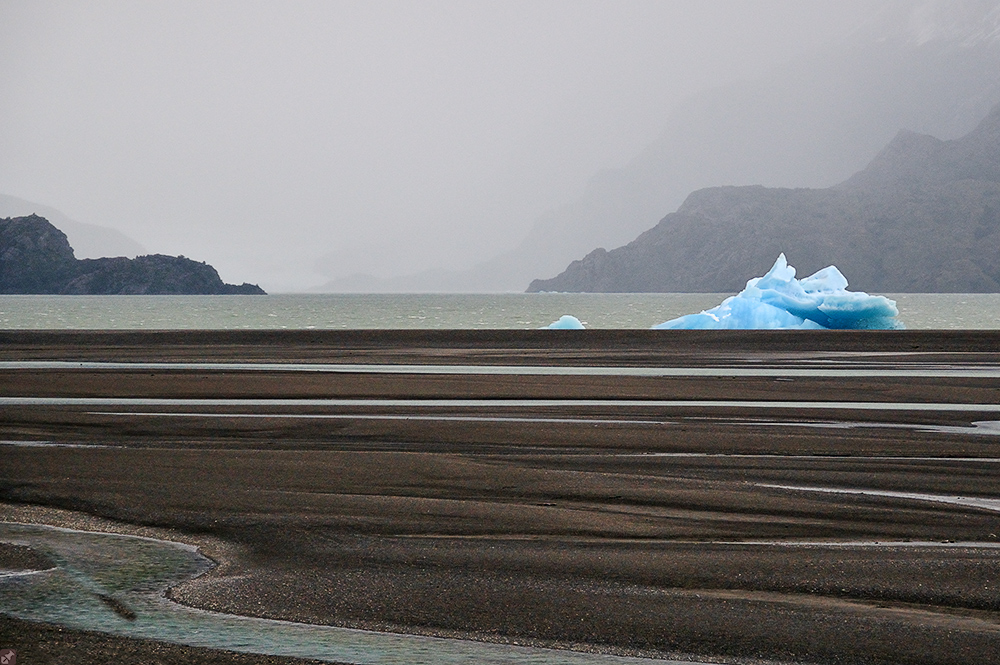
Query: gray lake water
[{"x": 449, "y": 311}]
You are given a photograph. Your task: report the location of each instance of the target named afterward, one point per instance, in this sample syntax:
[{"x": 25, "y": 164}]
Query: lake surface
[{"x": 448, "y": 311}]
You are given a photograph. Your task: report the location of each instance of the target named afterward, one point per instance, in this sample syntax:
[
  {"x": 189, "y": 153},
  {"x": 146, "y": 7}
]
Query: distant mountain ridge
[
  {"x": 923, "y": 216},
  {"x": 36, "y": 258},
  {"x": 928, "y": 66}
]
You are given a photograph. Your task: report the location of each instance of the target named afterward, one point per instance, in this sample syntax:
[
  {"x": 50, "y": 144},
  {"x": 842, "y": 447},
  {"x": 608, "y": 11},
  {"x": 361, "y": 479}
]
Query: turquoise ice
[
  {"x": 565, "y": 322},
  {"x": 779, "y": 301}
]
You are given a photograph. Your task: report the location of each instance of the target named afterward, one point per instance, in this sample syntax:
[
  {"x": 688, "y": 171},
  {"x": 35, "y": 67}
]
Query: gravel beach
[{"x": 670, "y": 514}]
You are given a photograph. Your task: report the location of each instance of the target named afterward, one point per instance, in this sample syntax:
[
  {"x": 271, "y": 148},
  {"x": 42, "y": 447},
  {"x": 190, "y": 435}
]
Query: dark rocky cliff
[
  {"x": 36, "y": 257},
  {"x": 924, "y": 216}
]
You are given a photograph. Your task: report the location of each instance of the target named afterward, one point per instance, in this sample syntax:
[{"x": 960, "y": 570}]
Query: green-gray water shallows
[{"x": 917, "y": 311}]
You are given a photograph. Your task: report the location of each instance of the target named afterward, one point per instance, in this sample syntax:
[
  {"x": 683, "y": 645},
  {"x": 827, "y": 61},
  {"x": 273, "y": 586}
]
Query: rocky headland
[{"x": 36, "y": 258}]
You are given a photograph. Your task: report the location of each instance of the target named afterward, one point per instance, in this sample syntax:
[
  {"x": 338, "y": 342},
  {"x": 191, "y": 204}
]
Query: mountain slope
[
  {"x": 927, "y": 66},
  {"x": 924, "y": 216}
]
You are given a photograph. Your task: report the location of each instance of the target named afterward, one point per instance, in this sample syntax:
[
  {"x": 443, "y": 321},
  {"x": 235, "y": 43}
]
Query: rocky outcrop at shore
[{"x": 36, "y": 258}]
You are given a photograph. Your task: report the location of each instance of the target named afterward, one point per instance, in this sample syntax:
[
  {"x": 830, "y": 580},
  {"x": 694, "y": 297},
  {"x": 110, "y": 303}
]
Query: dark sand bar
[{"x": 672, "y": 516}]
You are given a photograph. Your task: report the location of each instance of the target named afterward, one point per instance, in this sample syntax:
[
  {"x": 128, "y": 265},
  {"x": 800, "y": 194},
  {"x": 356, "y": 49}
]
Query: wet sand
[
  {"x": 44, "y": 644},
  {"x": 628, "y": 528}
]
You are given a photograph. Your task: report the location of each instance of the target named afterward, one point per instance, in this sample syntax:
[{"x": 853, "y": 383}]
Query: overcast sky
[{"x": 397, "y": 136}]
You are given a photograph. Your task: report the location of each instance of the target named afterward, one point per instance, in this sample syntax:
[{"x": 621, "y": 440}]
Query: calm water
[{"x": 510, "y": 310}]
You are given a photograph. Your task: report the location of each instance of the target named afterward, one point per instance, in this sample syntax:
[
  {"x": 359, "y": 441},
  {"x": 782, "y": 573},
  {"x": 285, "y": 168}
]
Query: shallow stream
[{"x": 116, "y": 584}]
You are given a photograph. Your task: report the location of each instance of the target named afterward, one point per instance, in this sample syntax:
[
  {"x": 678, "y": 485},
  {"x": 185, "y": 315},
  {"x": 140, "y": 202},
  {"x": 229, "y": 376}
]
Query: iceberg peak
[{"x": 779, "y": 273}]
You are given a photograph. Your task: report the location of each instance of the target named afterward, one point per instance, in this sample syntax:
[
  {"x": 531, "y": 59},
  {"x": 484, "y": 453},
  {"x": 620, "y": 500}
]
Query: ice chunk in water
[
  {"x": 565, "y": 322},
  {"x": 779, "y": 301}
]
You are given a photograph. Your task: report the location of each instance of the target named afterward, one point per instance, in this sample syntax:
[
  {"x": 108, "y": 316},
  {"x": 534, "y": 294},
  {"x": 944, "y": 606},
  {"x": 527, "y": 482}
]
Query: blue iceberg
[
  {"x": 565, "y": 322},
  {"x": 779, "y": 301}
]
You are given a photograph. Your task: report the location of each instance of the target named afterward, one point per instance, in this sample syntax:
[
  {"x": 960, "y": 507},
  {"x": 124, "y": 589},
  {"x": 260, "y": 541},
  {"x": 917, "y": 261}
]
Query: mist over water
[{"x": 292, "y": 143}]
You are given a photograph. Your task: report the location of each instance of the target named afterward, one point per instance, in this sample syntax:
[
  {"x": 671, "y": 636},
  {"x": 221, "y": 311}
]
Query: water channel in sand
[
  {"x": 277, "y": 403},
  {"x": 967, "y": 501},
  {"x": 115, "y": 584},
  {"x": 925, "y": 369}
]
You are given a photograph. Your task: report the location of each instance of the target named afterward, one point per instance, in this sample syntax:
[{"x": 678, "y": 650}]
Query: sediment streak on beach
[{"x": 393, "y": 480}]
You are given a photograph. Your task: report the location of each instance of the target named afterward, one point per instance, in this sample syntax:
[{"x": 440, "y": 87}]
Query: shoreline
[
  {"x": 572, "y": 516},
  {"x": 30, "y": 631}
]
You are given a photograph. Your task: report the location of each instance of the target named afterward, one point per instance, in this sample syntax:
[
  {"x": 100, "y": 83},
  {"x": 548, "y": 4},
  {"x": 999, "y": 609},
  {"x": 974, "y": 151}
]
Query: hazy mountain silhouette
[
  {"x": 924, "y": 216},
  {"x": 929, "y": 67}
]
